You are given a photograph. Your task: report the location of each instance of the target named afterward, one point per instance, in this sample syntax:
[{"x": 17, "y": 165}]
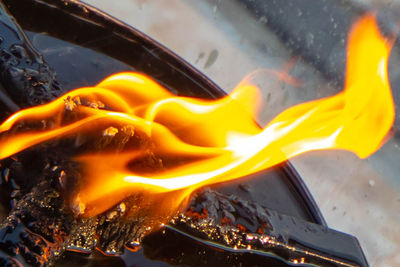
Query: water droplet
[
  {"x": 15, "y": 193},
  {"x": 13, "y": 202},
  {"x": 14, "y": 184},
  {"x": 15, "y": 72},
  {"x": 6, "y": 174},
  {"x": 201, "y": 55},
  {"x": 371, "y": 183},
  {"x": 54, "y": 168},
  {"x": 212, "y": 57},
  {"x": 18, "y": 51},
  {"x": 263, "y": 19},
  {"x": 111, "y": 215},
  {"x": 62, "y": 179},
  {"x": 122, "y": 207}
]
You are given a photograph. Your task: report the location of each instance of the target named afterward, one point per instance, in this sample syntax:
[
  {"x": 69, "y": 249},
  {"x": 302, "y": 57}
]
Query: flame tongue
[{"x": 219, "y": 137}]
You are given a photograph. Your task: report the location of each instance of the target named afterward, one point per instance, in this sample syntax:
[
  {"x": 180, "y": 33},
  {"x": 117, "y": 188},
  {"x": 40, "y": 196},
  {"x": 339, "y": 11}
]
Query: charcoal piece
[
  {"x": 109, "y": 232},
  {"x": 24, "y": 74},
  {"x": 41, "y": 225},
  {"x": 36, "y": 228}
]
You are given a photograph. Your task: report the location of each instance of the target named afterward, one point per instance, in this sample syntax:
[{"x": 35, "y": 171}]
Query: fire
[{"x": 207, "y": 141}]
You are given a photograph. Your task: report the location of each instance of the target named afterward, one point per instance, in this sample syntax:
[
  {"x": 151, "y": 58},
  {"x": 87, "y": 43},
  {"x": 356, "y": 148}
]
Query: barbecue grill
[{"x": 87, "y": 45}]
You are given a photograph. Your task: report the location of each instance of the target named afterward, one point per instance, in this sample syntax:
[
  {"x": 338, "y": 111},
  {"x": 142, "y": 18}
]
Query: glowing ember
[{"x": 208, "y": 141}]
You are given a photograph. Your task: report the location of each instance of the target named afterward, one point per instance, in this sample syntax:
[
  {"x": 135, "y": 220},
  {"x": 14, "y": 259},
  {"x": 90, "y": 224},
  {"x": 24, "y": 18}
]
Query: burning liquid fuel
[{"x": 208, "y": 141}]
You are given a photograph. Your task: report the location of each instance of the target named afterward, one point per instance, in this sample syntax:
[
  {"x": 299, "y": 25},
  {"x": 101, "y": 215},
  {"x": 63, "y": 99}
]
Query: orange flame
[{"x": 219, "y": 137}]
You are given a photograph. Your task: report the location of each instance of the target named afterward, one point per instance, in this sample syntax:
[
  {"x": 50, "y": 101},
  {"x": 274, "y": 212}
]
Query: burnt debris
[
  {"x": 25, "y": 76},
  {"x": 41, "y": 228},
  {"x": 232, "y": 224}
]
